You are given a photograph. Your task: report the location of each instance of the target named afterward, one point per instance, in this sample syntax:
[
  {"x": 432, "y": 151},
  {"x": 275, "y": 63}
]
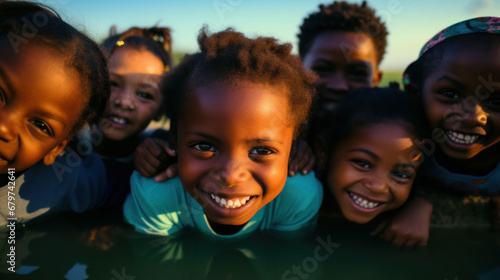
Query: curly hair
[
  {"x": 232, "y": 58},
  {"x": 156, "y": 40},
  {"x": 368, "y": 106},
  {"x": 342, "y": 16},
  {"x": 82, "y": 54}
]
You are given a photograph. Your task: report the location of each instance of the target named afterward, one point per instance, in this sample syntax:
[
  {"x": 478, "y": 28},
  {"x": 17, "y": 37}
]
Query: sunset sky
[{"x": 410, "y": 22}]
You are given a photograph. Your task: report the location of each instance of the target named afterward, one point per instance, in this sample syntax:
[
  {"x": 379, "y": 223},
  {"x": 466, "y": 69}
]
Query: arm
[
  {"x": 301, "y": 158},
  {"x": 409, "y": 225}
]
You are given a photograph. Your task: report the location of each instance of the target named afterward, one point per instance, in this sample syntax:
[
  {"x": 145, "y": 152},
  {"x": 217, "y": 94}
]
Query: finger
[
  {"x": 292, "y": 168},
  {"x": 156, "y": 148},
  {"x": 412, "y": 242},
  {"x": 150, "y": 169},
  {"x": 309, "y": 166},
  {"x": 399, "y": 240},
  {"x": 380, "y": 227},
  {"x": 170, "y": 172},
  {"x": 388, "y": 235},
  {"x": 162, "y": 176},
  {"x": 167, "y": 147}
]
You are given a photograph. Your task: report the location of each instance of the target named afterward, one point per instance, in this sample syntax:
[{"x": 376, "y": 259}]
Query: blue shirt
[
  {"x": 431, "y": 173},
  {"x": 166, "y": 208},
  {"x": 72, "y": 183}
]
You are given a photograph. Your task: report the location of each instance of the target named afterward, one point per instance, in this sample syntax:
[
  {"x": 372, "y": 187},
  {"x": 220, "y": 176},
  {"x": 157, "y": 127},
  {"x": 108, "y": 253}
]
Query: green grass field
[{"x": 392, "y": 76}]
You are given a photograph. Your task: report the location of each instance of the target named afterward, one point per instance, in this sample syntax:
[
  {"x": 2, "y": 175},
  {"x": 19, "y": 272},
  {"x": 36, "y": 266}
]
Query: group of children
[{"x": 239, "y": 152}]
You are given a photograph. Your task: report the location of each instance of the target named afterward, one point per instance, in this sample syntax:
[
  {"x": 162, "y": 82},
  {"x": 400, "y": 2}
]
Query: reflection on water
[{"x": 102, "y": 247}]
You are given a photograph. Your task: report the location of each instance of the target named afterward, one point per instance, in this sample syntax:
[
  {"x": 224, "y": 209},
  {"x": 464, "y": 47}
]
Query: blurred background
[{"x": 410, "y": 22}]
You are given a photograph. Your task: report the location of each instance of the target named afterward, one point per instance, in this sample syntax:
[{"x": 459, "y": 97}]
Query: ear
[
  {"x": 377, "y": 77},
  {"x": 320, "y": 151},
  {"x": 51, "y": 156}
]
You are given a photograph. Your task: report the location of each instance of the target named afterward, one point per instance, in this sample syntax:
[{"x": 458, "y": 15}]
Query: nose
[
  {"x": 7, "y": 126},
  {"x": 232, "y": 173},
  {"x": 377, "y": 183},
  {"x": 473, "y": 115},
  {"x": 336, "y": 81},
  {"x": 123, "y": 100}
]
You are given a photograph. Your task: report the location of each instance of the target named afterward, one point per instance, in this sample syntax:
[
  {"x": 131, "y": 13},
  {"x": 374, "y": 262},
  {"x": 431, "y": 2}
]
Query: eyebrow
[
  {"x": 370, "y": 153},
  {"x": 53, "y": 117},
  {"x": 215, "y": 139},
  {"x": 451, "y": 80},
  {"x": 407, "y": 165}
]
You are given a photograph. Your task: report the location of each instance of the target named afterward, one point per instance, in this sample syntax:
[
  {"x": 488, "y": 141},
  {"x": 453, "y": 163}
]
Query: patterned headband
[
  {"x": 475, "y": 25},
  {"x": 470, "y": 26}
]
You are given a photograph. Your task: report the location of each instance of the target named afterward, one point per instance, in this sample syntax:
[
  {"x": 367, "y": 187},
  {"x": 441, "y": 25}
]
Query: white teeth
[
  {"x": 363, "y": 202},
  {"x": 118, "y": 120},
  {"x": 460, "y": 138},
  {"x": 230, "y": 203}
]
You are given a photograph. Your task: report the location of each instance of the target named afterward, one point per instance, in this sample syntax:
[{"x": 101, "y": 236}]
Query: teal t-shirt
[{"x": 166, "y": 208}]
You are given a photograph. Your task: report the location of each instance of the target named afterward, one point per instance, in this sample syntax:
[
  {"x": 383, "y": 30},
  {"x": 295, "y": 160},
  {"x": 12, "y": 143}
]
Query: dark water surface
[{"x": 100, "y": 246}]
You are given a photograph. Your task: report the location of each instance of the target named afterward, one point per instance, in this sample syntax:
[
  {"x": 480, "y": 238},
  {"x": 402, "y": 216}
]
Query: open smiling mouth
[
  {"x": 231, "y": 203},
  {"x": 461, "y": 138},
  {"x": 118, "y": 120},
  {"x": 364, "y": 203}
]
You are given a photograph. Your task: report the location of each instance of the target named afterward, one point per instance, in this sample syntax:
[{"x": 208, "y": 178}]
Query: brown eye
[{"x": 42, "y": 126}]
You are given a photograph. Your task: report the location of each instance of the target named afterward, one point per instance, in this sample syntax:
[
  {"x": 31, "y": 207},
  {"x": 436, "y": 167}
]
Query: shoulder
[
  {"x": 155, "y": 207},
  {"x": 305, "y": 188},
  {"x": 298, "y": 203},
  {"x": 156, "y": 193}
]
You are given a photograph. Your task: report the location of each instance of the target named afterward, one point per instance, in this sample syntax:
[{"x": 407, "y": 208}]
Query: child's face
[
  {"x": 372, "y": 171},
  {"x": 462, "y": 98},
  {"x": 40, "y": 102},
  {"x": 135, "y": 95},
  {"x": 344, "y": 61},
  {"x": 233, "y": 147}
]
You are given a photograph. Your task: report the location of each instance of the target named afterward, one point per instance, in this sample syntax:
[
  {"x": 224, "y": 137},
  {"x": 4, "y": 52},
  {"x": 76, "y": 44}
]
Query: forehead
[
  {"x": 467, "y": 60},
  {"x": 347, "y": 45},
  {"x": 129, "y": 61},
  {"x": 43, "y": 79},
  {"x": 388, "y": 140},
  {"x": 248, "y": 103}
]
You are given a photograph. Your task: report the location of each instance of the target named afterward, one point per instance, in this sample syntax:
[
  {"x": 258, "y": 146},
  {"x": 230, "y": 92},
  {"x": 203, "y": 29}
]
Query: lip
[
  {"x": 3, "y": 161},
  {"x": 360, "y": 208},
  {"x": 462, "y": 140},
  {"x": 118, "y": 120},
  {"x": 228, "y": 212}
]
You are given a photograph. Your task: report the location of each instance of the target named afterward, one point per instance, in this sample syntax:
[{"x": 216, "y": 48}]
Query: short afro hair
[
  {"x": 230, "y": 57},
  {"x": 342, "y": 16}
]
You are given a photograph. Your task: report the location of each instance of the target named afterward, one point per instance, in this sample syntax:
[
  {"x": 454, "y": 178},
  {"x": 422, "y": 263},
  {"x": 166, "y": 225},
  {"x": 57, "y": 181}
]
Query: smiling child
[{"x": 232, "y": 124}]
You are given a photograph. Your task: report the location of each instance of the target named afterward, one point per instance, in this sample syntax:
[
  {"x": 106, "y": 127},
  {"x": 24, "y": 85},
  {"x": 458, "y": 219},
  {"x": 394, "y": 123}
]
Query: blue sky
[{"x": 410, "y": 22}]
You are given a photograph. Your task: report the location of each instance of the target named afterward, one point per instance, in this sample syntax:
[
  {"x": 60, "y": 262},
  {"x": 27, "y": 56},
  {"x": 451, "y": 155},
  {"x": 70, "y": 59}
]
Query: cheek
[
  {"x": 401, "y": 194},
  {"x": 338, "y": 176}
]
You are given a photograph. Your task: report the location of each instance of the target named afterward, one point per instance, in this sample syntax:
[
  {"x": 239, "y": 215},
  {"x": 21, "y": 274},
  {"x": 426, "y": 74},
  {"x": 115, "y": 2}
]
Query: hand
[
  {"x": 301, "y": 158},
  {"x": 409, "y": 226},
  {"x": 155, "y": 157}
]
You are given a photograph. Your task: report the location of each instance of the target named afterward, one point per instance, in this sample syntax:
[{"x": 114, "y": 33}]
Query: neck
[
  {"x": 479, "y": 165},
  {"x": 225, "y": 229}
]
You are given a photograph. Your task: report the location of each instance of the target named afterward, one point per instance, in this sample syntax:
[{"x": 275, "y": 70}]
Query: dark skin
[
  {"x": 457, "y": 103},
  {"x": 156, "y": 157}
]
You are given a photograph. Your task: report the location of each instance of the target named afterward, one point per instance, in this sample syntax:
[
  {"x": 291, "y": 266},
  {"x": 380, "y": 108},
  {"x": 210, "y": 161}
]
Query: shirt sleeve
[
  {"x": 154, "y": 207},
  {"x": 297, "y": 206}
]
